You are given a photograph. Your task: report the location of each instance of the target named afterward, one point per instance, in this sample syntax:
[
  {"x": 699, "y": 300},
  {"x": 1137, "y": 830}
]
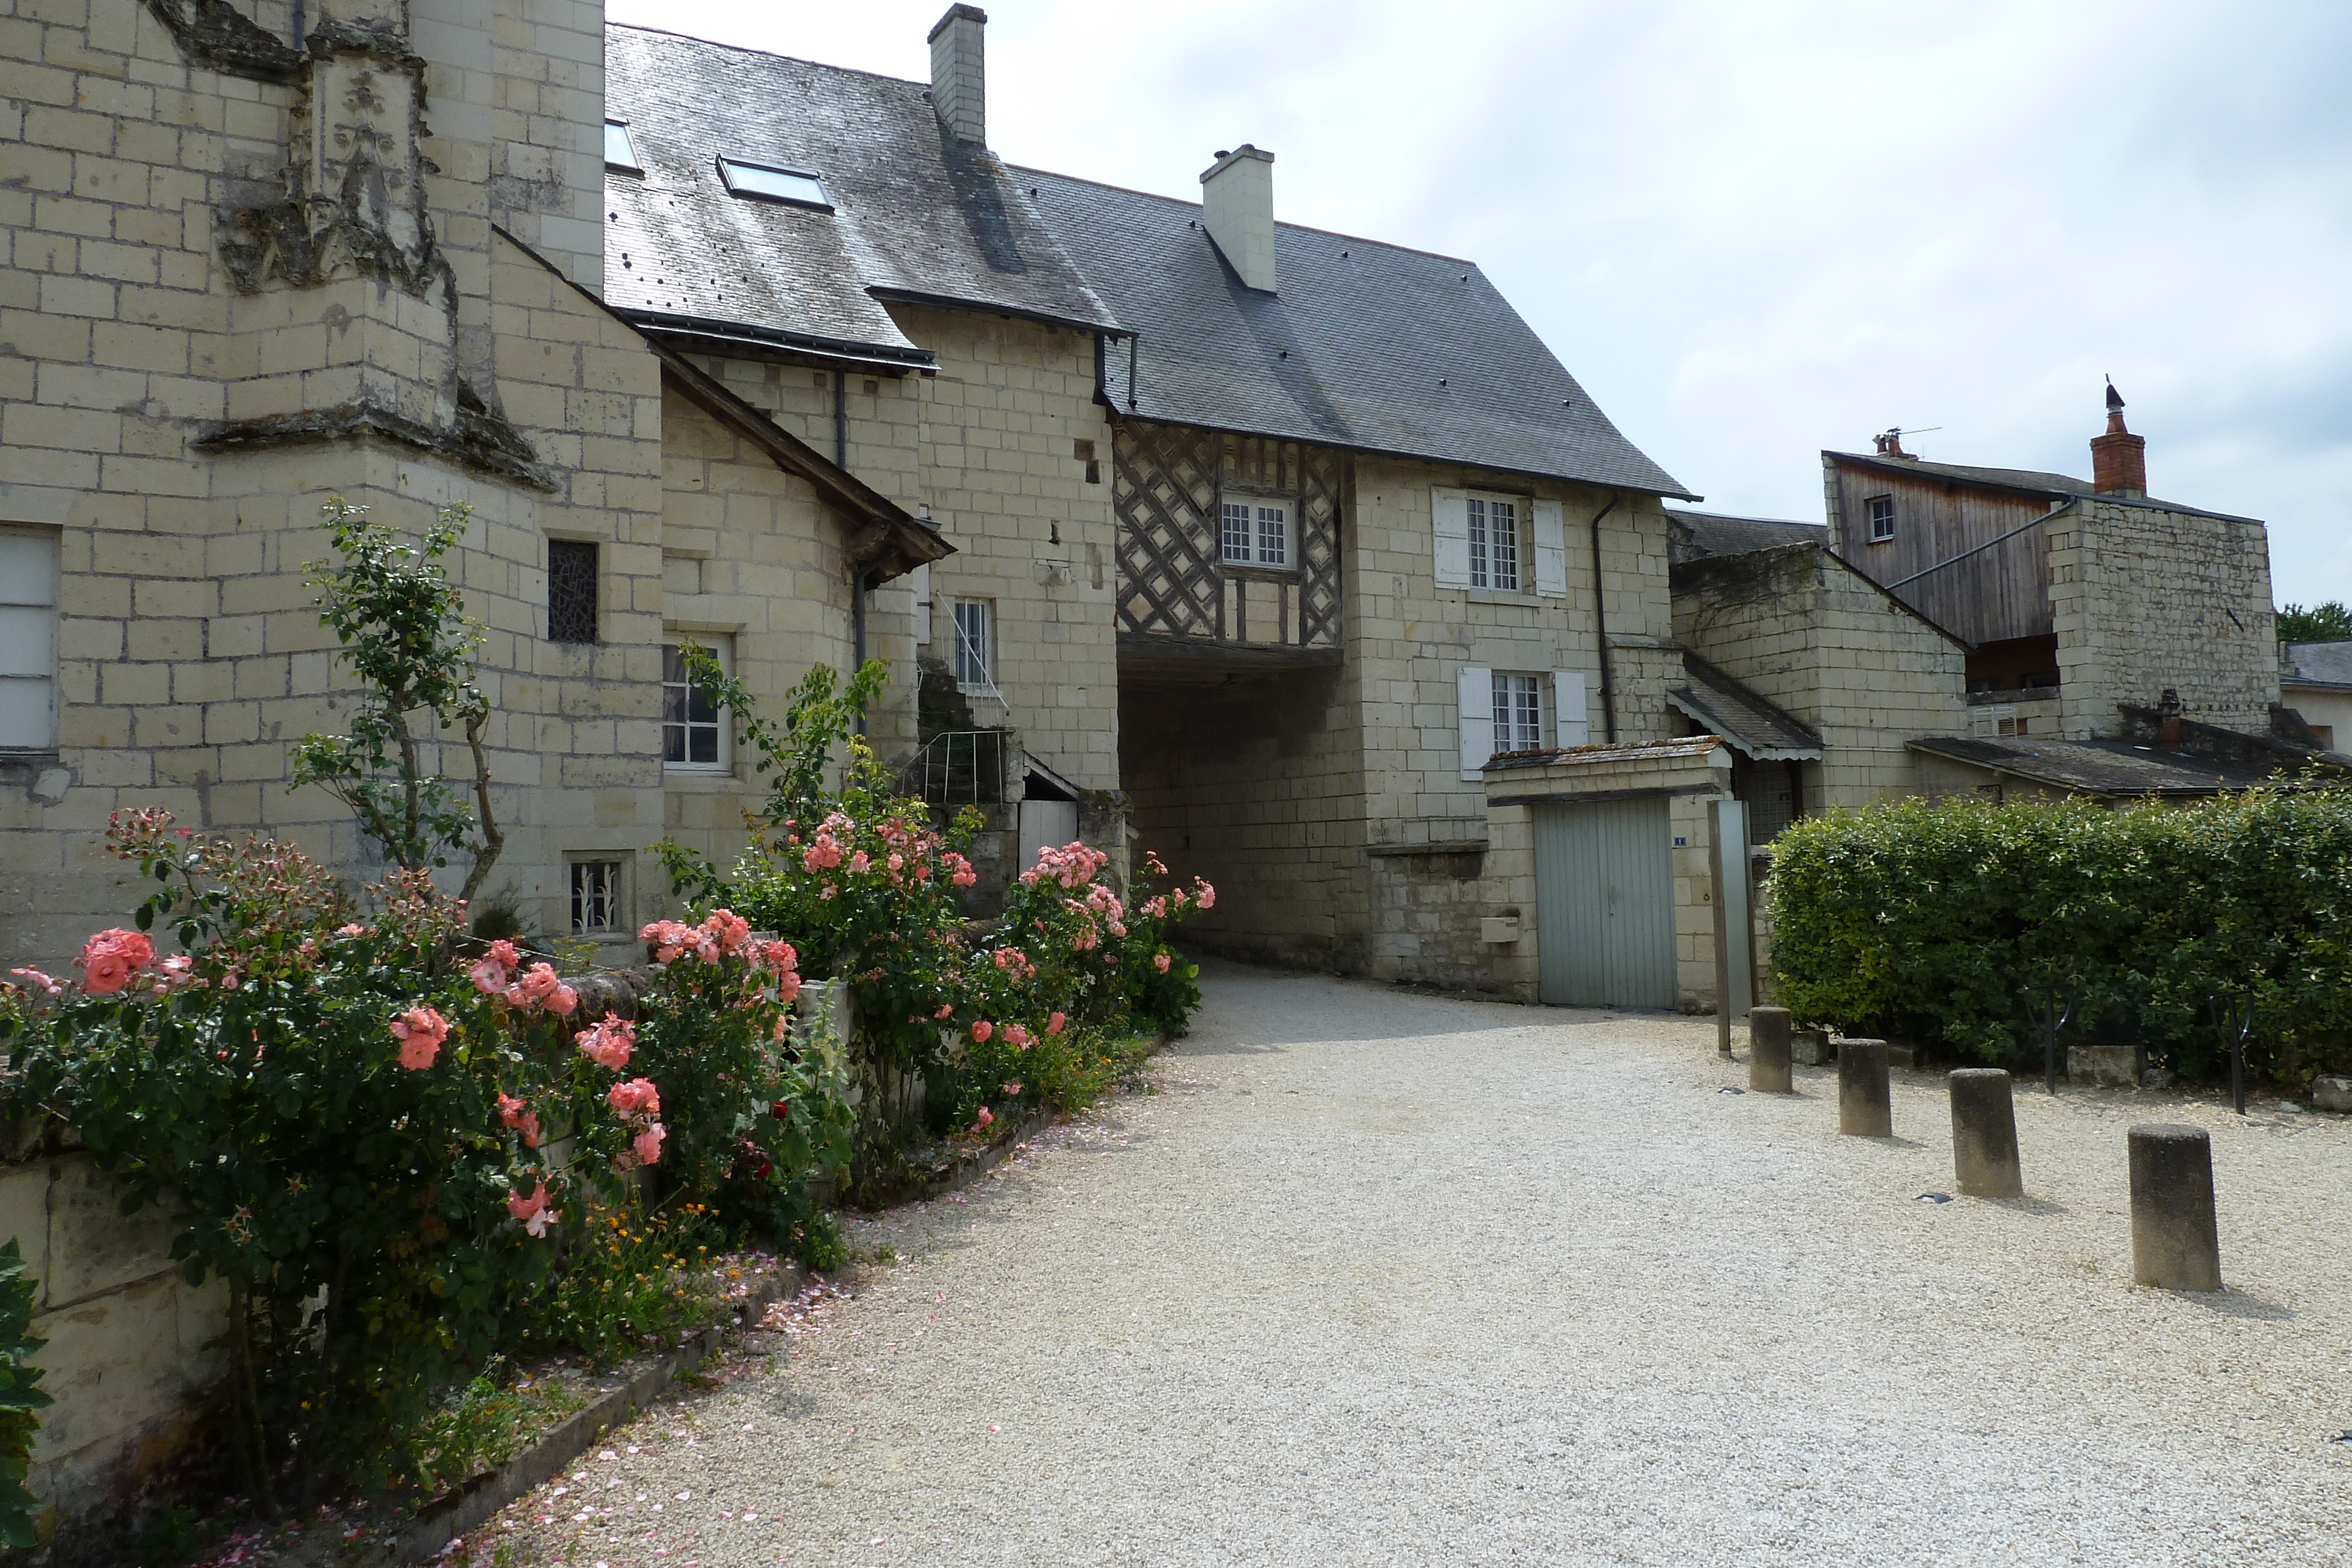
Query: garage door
[{"x": 1605, "y": 903}]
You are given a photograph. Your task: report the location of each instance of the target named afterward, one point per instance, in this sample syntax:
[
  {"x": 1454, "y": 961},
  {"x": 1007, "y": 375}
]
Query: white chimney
[
  {"x": 960, "y": 74},
  {"x": 1237, "y": 209}
]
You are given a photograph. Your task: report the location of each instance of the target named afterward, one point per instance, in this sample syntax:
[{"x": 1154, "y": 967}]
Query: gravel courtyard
[{"x": 1380, "y": 1278}]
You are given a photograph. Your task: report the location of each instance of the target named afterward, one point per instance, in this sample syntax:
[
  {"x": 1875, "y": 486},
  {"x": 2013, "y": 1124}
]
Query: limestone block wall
[
  {"x": 2148, "y": 599},
  {"x": 1821, "y": 642},
  {"x": 131, "y": 1349}
]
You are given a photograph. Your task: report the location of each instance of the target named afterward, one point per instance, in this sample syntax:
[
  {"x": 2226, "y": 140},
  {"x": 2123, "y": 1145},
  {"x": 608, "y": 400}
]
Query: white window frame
[
  {"x": 1464, "y": 552},
  {"x": 1519, "y": 711},
  {"x": 1254, "y": 544},
  {"x": 721, "y": 648},
  {"x": 621, "y": 148},
  {"x": 975, "y": 645},
  {"x": 28, "y": 638},
  {"x": 614, "y": 891},
  {"x": 1881, "y": 522},
  {"x": 1562, "y": 719}
]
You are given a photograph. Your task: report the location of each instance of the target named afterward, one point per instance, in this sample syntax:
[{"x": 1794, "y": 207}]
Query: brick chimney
[
  {"x": 1237, "y": 209},
  {"x": 960, "y": 74},
  {"x": 2118, "y": 459},
  {"x": 1890, "y": 444}
]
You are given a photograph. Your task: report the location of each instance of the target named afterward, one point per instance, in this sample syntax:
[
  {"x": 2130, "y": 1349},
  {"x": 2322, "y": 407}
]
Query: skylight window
[
  {"x": 619, "y": 152},
  {"x": 774, "y": 185}
]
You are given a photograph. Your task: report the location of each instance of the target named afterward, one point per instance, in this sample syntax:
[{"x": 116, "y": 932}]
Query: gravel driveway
[{"x": 1381, "y": 1278}]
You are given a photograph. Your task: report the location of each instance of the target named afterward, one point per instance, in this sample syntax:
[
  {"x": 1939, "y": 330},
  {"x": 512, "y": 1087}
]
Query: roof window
[
  {"x": 620, "y": 152},
  {"x": 774, "y": 184}
]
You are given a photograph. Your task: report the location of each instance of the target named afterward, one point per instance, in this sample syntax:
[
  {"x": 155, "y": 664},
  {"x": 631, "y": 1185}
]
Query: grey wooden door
[{"x": 1605, "y": 903}]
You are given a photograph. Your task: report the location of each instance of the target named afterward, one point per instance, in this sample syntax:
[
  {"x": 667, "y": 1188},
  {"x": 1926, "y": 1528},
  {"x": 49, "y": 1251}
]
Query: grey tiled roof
[
  {"x": 2032, "y": 481},
  {"x": 2315, "y": 665},
  {"x": 1367, "y": 346},
  {"x": 1748, "y": 719},
  {"x": 916, "y": 215},
  {"x": 2108, "y": 767},
  {"x": 1694, "y": 535}
]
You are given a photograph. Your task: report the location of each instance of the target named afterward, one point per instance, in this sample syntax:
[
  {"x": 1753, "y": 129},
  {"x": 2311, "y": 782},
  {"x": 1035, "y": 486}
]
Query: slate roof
[
  {"x": 2315, "y": 665},
  {"x": 2028, "y": 481},
  {"x": 916, "y": 215},
  {"x": 2111, "y": 768},
  {"x": 1748, "y": 719},
  {"x": 1694, "y": 535},
  {"x": 1368, "y": 346}
]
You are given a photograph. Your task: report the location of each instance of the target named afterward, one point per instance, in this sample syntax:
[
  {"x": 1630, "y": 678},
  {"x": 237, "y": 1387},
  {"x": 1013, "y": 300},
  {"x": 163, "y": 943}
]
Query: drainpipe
[{"x": 1600, "y": 624}]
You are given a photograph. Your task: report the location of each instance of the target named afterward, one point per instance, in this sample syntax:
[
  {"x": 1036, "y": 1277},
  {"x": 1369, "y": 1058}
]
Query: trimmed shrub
[{"x": 1929, "y": 919}]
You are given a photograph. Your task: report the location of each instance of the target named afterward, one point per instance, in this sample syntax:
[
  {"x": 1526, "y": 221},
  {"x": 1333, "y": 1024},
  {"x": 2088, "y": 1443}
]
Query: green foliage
[
  {"x": 2328, "y": 623},
  {"x": 638, "y": 1278},
  {"x": 405, "y": 636},
  {"x": 19, "y": 1396},
  {"x": 1928, "y": 919}
]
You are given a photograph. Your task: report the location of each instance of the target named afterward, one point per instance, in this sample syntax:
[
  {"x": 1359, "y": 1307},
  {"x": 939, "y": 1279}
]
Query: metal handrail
[{"x": 931, "y": 772}]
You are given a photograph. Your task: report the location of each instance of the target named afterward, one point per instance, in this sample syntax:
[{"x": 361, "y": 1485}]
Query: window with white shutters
[
  {"x": 1519, "y": 712},
  {"x": 1477, "y": 690},
  {"x": 1494, "y": 543},
  {"x": 1502, "y": 544},
  {"x": 28, "y": 638}
]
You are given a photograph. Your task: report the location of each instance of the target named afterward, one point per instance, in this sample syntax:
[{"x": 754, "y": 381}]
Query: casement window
[
  {"x": 1501, "y": 544},
  {"x": 596, "y": 902},
  {"x": 572, "y": 568},
  {"x": 620, "y": 152},
  {"x": 975, "y": 650},
  {"x": 1882, "y": 518},
  {"x": 766, "y": 182},
  {"x": 696, "y": 735},
  {"x": 1255, "y": 531},
  {"x": 28, "y": 638},
  {"x": 1513, "y": 710}
]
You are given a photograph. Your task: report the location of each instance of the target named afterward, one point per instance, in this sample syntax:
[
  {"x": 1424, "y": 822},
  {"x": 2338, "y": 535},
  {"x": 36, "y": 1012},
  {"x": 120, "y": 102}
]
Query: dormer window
[
  {"x": 766, "y": 183},
  {"x": 620, "y": 152}
]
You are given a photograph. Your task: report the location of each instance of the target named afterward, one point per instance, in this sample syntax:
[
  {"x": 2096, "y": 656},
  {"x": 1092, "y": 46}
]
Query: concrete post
[
  {"x": 1865, "y": 1108},
  {"x": 1767, "y": 1050},
  {"x": 1984, "y": 1132},
  {"x": 2176, "y": 1243}
]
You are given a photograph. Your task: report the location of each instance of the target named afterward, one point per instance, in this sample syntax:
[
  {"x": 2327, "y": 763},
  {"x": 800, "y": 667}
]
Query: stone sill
[{"x": 1436, "y": 847}]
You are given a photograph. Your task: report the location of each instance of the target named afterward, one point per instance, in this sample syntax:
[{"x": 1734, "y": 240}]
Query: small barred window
[{"x": 571, "y": 591}]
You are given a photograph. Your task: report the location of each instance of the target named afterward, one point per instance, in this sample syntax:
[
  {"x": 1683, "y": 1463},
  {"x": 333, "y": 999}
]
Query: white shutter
[
  {"x": 1452, "y": 511},
  {"x": 919, "y": 580},
  {"x": 1551, "y": 551},
  {"x": 1477, "y": 689},
  {"x": 1571, "y": 724}
]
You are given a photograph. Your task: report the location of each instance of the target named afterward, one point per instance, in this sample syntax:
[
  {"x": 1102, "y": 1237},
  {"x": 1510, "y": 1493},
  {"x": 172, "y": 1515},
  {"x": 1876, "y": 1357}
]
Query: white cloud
[{"x": 1756, "y": 231}]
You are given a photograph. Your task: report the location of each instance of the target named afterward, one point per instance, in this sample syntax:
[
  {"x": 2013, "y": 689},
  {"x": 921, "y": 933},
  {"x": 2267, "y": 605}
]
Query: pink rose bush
[{"x": 420, "y": 1031}]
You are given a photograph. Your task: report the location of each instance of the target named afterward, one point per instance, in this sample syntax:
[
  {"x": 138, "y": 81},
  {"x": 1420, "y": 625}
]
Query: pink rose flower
[
  {"x": 46, "y": 984},
  {"x": 563, "y": 1001},
  {"x": 1013, "y": 1088},
  {"x": 502, "y": 953},
  {"x": 488, "y": 978},
  {"x": 987, "y": 1118},
  {"x": 1160, "y": 962},
  {"x": 945, "y": 1009},
  {"x": 539, "y": 982},
  {"x": 608, "y": 1044},
  {"x": 634, "y": 1098},
  {"x": 532, "y": 1211},
  {"x": 788, "y": 986},
  {"x": 648, "y": 1143},
  {"x": 727, "y": 929},
  {"x": 109, "y": 958},
  {"x": 1053, "y": 1024},
  {"x": 420, "y": 1031},
  {"x": 354, "y": 929},
  {"x": 981, "y": 1031},
  {"x": 1206, "y": 894},
  {"x": 1017, "y": 1036}
]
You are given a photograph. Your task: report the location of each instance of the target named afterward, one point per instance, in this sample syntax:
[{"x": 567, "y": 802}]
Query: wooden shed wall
[{"x": 2000, "y": 593}]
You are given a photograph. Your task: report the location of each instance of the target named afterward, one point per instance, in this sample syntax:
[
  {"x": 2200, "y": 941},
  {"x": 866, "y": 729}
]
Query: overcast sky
[{"x": 1756, "y": 231}]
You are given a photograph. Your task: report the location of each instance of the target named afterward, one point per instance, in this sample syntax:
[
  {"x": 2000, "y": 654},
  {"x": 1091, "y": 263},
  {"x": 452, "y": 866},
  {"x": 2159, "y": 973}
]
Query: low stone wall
[{"x": 132, "y": 1348}]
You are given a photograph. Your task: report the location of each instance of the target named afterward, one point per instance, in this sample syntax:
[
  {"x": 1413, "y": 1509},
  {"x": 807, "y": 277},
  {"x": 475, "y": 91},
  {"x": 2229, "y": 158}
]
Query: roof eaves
[
  {"x": 736, "y": 336},
  {"x": 1106, "y": 324},
  {"x": 2014, "y": 767}
]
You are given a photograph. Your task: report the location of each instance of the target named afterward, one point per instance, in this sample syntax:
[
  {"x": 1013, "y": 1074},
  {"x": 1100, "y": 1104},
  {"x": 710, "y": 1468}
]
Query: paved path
[{"x": 1388, "y": 1279}]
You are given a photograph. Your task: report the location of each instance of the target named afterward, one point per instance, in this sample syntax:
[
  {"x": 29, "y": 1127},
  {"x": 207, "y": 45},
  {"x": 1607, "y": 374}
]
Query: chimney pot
[
  {"x": 960, "y": 74},
  {"x": 1237, "y": 209},
  {"x": 2118, "y": 459}
]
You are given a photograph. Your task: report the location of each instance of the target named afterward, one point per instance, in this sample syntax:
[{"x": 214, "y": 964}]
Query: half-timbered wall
[
  {"x": 1994, "y": 595},
  {"x": 1169, "y": 483}
]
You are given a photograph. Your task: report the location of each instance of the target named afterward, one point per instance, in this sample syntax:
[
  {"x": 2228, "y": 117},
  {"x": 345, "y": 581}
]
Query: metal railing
[{"x": 958, "y": 766}]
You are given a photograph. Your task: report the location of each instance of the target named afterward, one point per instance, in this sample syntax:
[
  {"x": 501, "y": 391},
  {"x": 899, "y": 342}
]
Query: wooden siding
[
  {"x": 2000, "y": 593},
  {"x": 1169, "y": 484}
]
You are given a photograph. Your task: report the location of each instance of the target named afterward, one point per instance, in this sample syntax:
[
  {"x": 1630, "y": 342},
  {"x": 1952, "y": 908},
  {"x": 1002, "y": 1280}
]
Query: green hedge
[{"x": 1925, "y": 920}]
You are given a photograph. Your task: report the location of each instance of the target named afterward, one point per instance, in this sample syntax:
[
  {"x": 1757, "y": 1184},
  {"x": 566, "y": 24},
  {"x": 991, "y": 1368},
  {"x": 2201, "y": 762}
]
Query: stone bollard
[
  {"x": 2176, "y": 1244},
  {"x": 1984, "y": 1132},
  {"x": 1767, "y": 1050},
  {"x": 1865, "y": 1108}
]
